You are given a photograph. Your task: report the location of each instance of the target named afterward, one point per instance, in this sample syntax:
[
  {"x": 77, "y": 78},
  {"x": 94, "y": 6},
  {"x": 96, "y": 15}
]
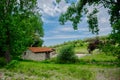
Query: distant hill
[
  {"x": 80, "y": 42},
  {"x": 79, "y": 45}
]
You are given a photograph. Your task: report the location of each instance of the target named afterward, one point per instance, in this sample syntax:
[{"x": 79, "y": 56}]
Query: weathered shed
[{"x": 37, "y": 53}]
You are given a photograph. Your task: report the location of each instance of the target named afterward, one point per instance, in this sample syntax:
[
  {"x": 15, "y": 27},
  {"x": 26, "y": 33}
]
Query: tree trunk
[
  {"x": 7, "y": 52},
  {"x": 6, "y": 14},
  {"x": 7, "y": 56}
]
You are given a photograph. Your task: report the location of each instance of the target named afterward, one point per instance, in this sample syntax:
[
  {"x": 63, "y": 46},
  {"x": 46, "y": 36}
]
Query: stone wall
[
  {"x": 52, "y": 54},
  {"x": 29, "y": 55}
]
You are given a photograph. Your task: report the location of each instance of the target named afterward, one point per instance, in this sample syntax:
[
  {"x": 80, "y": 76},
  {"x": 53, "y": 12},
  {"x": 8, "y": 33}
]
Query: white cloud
[
  {"x": 50, "y": 11},
  {"x": 51, "y": 8},
  {"x": 57, "y": 32},
  {"x": 45, "y": 20},
  {"x": 105, "y": 30},
  {"x": 83, "y": 29},
  {"x": 63, "y": 37},
  {"x": 103, "y": 20},
  {"x": 66, "y": 29},
  {"x": 103, "y": 16}
]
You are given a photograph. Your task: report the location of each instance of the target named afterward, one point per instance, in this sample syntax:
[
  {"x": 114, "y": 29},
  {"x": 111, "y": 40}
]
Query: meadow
[
  {"x": 96, "y": 66},
  {"x": 91, "y": 67}
]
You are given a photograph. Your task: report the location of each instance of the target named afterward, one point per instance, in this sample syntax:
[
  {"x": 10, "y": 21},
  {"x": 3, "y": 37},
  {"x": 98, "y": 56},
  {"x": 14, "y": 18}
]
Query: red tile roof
[{"x": 40, "y": 49}]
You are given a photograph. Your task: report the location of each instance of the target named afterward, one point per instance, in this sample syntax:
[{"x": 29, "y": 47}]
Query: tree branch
[{"x": 109, "y": 2}]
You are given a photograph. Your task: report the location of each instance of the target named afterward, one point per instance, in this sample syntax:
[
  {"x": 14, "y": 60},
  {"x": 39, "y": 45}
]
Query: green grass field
[
  {"x": 100, "y": 57},
  {"x": 81, "y": 50},
  {"x": 85, "y": 69},
  {"x": 29, "y": 70}
]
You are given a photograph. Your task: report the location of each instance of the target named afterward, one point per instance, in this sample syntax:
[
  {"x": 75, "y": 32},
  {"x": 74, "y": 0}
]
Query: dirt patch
[
  {"x": 100, "y": 74},
  {"x": 81, "y": 55},
  {"x": 1, "y": 75},
  {"x": 108, "y": 74}
]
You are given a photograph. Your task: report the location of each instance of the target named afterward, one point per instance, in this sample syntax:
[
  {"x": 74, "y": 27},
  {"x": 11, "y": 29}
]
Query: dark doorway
[{"x": 47, "y": 55}]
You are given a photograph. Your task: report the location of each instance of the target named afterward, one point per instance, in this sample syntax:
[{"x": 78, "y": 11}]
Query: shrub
[
  {"x": 112, "y": 49},
  {"x": 12, "y": 64},
  {"x": 67, "y": 55},
  {"x": 2, "y": 61}
]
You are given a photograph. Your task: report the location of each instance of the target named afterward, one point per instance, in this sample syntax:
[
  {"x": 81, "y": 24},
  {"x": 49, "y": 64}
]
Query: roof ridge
[{"x": 40, "y": 49}]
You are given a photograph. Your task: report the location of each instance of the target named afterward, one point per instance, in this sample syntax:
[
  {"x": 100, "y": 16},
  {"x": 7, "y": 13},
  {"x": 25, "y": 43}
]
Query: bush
[
  {"x": 12, "y": 64},
  {"x": 112, "y": 49},
  {"x": 67, "y": 55},
  {"x": 2, "y": 61}
]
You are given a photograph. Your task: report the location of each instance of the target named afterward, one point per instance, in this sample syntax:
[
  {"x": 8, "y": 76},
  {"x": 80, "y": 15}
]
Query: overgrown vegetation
[
  {"x": 107, "y": 46},
  {"x": 77, "y": 10},
  {"x": 2, "y": 61},
  {"x": 29, "y": 70},
  {"x": 66, "y": 55},
  {"x": 20, "y": 27}
]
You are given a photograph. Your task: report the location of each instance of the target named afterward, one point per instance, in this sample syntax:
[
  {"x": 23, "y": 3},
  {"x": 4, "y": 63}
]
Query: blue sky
[{"x": 56, "y": 33}]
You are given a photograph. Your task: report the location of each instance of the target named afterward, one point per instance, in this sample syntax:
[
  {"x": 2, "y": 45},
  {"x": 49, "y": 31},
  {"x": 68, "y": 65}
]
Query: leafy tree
[
  {"x": 75, "y": 12},
  {"x": 19, "y": 23},
  {"x": 37, "y": 42}
]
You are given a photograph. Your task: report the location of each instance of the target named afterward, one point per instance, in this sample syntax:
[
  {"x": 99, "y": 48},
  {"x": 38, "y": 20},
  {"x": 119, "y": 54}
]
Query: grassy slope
[
  {"x": 81, "y": 50},
  {"x": 100, "y": 57},
  {"x": 79, "y": 45}
]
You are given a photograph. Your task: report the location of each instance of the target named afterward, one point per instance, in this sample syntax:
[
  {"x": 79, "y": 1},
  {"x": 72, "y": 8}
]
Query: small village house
[{"x": 38, "y": 53}]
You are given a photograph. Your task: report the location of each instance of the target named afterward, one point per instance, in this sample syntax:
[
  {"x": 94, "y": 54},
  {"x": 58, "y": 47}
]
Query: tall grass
[
  {"x": 28, "y": 70},
  {"x": 42, "y": 71}
]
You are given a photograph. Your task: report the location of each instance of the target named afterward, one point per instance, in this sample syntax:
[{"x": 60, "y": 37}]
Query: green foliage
[
  {"x": 93, "y": 22},
  {"x": 111, "y": 49},
  {"x": 58, "y": 1},
  {"x": 66, "y": 55},
  {"x": 20, "y": 24},
  {"x": 37, "y": 42},
  {"x": 117, "y": 52},
  {"x": 12, "y": 64},
  {"x": 80, "y": 7},
  {"x": 2, "y": 61},
  {"x": 116, "y": 32},
  {"x": 75, "y": 12}
]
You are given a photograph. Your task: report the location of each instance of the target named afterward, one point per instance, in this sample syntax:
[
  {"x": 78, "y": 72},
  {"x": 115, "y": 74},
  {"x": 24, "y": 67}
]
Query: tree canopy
[
  {"x": 20, "y": 23},
  {"x": 76, "y": 11}
]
